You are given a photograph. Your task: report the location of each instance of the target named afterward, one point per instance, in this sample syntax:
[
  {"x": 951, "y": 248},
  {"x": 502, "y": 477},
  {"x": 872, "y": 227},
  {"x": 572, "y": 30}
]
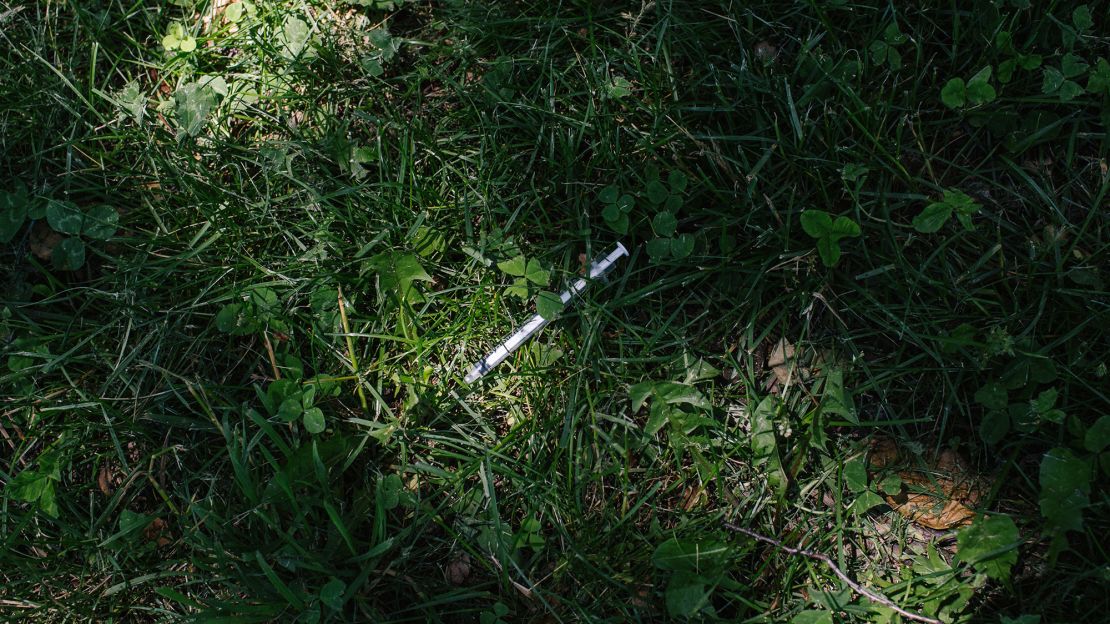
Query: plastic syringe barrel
[{"x": 598, "y": 269}]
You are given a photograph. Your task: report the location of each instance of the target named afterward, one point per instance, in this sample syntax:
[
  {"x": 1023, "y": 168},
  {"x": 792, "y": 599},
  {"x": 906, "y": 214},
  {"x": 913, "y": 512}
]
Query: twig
[{"x": 823, "y": 558}]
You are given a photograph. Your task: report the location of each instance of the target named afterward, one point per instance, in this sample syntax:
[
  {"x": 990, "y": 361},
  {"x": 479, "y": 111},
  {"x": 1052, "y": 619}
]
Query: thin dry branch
[{"x": 823, "y": 558}]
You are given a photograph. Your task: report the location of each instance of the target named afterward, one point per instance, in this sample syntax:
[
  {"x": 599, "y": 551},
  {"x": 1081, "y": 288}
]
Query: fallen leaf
[
  {"x": 938, "y": 491},
  {"x": 157, "y": 532},
  {"x": 783, "y": 362},
  {"x": 458, "y": 570},
  {"x": 43, "y": 240},
  {"x": 103, "y": 480}
]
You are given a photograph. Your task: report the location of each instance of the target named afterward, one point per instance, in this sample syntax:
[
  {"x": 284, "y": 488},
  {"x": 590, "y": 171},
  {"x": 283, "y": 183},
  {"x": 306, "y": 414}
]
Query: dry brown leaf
[
  {"x": 938, "y": 493},
  {"x": 104, "y": 480},
  {"x": 783, "y": 362},
  {"x": 43, "y": 240},
  {"x": 458, "y": 570},
  {"x": 157, "y": 532}
]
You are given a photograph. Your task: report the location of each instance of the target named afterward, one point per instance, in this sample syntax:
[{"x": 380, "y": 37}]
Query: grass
[{"x": 151, "y": 473}]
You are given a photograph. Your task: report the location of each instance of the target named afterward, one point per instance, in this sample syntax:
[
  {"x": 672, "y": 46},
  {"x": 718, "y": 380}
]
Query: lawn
[{"x": 853, "y": 369}]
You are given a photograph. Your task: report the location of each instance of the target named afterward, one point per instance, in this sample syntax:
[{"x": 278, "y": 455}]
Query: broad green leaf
[
  {"x": 101, "y": 222},
  {"x": 664, "y": 224},
  {"x": 331, "y": 594},
  {"x": 1053, "y": 78},
  {"x": 609, "y": 194},
  {"x": 1098, "y": 81},
  {"x": 658, "y": 248},
  {"x": 844, "y": 227},
  {"x": 428, "y": 242},
  {"x": 314, "y": 420},
  {"x": 673, "y": 203},
  {"x": 992, "y": 396},
  {"x": 130, "y": 521},
  {"x": 611, "y": 213},
  {"x": 699, "y": 556},
  {"x": 655, "y": 191},
  {"x": 1004, "y": 41},
  {"x": 69, "y": 255},
  {"x": 132, "y": 100},
  {"x": 397, "y": 273},
  {"x": 816, "y": 223},
  {"x": 891, "y": 484},
  {"x": 933, "y": 217},
  {"x": 836, "y": 398},
  {"x": 954, "y": 93},
  {"x": 855, "y": 474},
  {"x": 626, "y": 203},
  {"x": 408, "y": 269},
  {"x": 1045, "y": 401},
  {"x": 878, "y": 51},
  {"x": 620, "y": 225},
  {"x": 674, "y": 393},
  {"x": 188, "y": 44},
  {"x": 1069, "y": 90},
  {"x": 13, "y": 211},
  {"x": 64, "y": 217},
  {"x": 295, "y": 35},
  {"x": 700, "y": 370},
  {"x": 1065, "y": 485},
  {"x": 231, "y": 319},
  {"x": 658, "y": 415},
  {"x": 619, "y": 88},
  {"x": 291, "y": 408},
  {"x": 548, "y": 304},
  {"x": 1029, "y": 61},
  {"x": 192, "y": 104},
  {"x": 764, "y": 443},
  {"x": 812, "y": 616},
  {"x": 894, "y": 59},
  {"x": 829, "y": 250},
  {"x": 639, "y": 393},
  {"x": 1097, "y": 437},
  {"x": 535, "y": 273},
  {"x": 389, "y": 489},
  {"x": 979, "y": 89},
  {"x": 1073, "y": 66},
  {"x": 866, "y": 501},
  {"x": 234, "y": 12},
  {"x": 686, "y": 595},
  {"x": 682, "y": 246},
  {"x": 515, "y": 266},
  {"x": 1081, "y": 18},
  {"x": 519, "y": 288},
  {"x": 893, "y": 34},
  {"x": 990, "y": 545},
  {"x": 677, "y": 181},
  {"x": 994, "y": 426},
  {"x": 1006, "y": 70}
]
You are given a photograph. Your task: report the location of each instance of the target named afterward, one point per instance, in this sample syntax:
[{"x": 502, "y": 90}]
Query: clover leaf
[
  {"x": 977, "y": 90},
  {"x": 884, "y": 50},
  {"x": 828, "y": 232},
  {"x": 936, "y": 214},
  {"x": 529, "y": 273},
  {"x": 617, "y": 208},
  {"x": 177, "y": 38},
  {"x": 13, "y": 211}
]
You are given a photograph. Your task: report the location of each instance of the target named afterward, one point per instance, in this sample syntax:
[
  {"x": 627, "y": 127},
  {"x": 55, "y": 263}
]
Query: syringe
[{"x": 598, "y": 268}]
